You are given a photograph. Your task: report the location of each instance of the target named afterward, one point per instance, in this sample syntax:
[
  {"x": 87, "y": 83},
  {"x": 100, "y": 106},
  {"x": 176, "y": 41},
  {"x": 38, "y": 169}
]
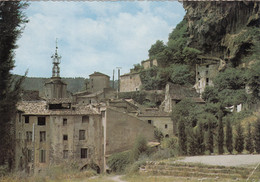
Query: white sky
[{"x": 92, "y": 36}]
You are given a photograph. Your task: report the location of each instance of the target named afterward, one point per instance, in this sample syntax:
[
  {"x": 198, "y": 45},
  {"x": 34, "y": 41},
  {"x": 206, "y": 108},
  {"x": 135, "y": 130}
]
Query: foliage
[
  {"x": 140, "y": 147},
  {"x": 118, "y": 162},
  {"x": 162, "y": 154},
  {"x": 210, "y": 94},
  {"x": 156, "y": 48},
  {"x": 138, "y": 96},
  {"x": 190, "y": 55},
  {"x": 137, "y": 68},
  {"x": 239, "y": 138},
  {"x": 257, "y": 136},
  {"x": 196, "y": 140},
  {"x": 253, "y": 76},
  {"x": 11, "y": 23},
  {"x": 229, "y": 136},
  {"x": 210, "y": 137},
  {"x": 158, "y": 135},
  {"x": 182, "y": 137},
  {"x": 171, "y": 143},
  {"x": 220, "y": 139},
  {"x": 150, "y": 79},
  {"x": 249, "y": 140}
]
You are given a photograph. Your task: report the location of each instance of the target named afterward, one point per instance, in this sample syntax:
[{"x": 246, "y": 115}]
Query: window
[
  {"x": 42, "y": 136},
  {"x": 149, "y": 121},
  {"x": 41, "y": 121},
  {"x": 65, "y": 154},
  {"x": 26, "y": 119},
  {"x": 207, "y": 72},
  {"x": 166, "y": 126},
  {"x": 65, "y": 121},
  {"x": 207, "y": 66},
  {"x": 207, "y": 81},
  {"x": 83, "y": 153},
  {"x": 65, "y": 137},
  {"x": 42, "y": 156},
  {"x": 28, "y": 136},
  {"x": 29, "y": 155},
  {"x": 85, "y": 119},
  {"x": 198, "y": 73},
  {"x": 81, "y": 134}
]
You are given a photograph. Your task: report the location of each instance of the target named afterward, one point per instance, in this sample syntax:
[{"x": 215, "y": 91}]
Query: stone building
[
  {"x": 130, "y": 82},
  {"x": 149, "y": 63},
  {"x": 206, "y": 71},
  {"x": 57, "y": 130},
  {"x": 158, "y": 119},
  {"x": 97, "y": 82},
  {"x": 174, "y": 93}
]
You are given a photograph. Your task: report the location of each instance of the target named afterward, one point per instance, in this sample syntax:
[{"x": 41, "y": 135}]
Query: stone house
[
  {"x": 149, "y": 63},
  {"x": 206, "y": 71},
  {"x": 130, "y": 82},
  {"x": 158, "y": 119},
  {"x": 97, "y": 82},
  {"x": 174, "y": 93}
]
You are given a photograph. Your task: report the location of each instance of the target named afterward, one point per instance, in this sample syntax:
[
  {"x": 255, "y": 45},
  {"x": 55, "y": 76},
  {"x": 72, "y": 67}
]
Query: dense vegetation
[{"x": 11, "y": 23}]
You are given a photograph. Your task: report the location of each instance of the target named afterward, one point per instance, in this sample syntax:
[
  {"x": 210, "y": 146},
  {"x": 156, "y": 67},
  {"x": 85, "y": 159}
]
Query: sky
[{"x": 92, "y": 36}]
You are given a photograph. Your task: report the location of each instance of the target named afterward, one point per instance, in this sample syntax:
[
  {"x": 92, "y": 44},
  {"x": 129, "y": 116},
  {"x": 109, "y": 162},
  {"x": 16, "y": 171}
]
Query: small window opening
[
  {"x": 65, "y": 137},
  {"x": 81, "y": 134},
  {"x": 26, "y": 119},
  {"x": 42, "y": 136},
  {"x": 84, "y": 153},
  {"x": 85, "y": 119},
  {"x": 65, "y": 121},
  {"x": 149, "y": 121},
  {"x": 166, "y": 126},
  {"x": 41, "y": 121}
]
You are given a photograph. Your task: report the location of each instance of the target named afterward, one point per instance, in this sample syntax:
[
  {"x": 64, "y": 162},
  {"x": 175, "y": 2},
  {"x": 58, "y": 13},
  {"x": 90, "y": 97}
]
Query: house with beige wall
[{"x": 130, "y": 82}]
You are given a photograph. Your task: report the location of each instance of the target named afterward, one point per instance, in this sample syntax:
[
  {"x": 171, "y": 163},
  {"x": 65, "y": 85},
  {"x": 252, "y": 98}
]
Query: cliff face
[{"x": 227, "y": 30}]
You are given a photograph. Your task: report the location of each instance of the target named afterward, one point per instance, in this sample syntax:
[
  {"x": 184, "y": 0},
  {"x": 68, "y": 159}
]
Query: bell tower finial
[{"x": 56, "y": 61}]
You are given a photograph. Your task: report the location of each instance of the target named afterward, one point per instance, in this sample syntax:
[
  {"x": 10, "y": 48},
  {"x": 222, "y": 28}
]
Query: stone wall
[
  {"x": 130, "y": 82},
  {"x": 122, "y": 130}
]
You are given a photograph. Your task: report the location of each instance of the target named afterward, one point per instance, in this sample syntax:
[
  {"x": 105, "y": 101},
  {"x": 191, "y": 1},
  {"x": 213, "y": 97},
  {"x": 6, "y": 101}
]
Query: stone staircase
[{"x": 197, "y": 171}]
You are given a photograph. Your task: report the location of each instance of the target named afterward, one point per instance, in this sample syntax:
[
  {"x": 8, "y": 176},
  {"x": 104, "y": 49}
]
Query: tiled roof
[
  {"x": 153, "y": 113},
  {"x": 41, "y": 108},
  {"x": 179, "y": 92},
  {"x": 98, "y": 74},
  {"x": 92, "y": 94},
  {"x": 59, "y": 101},
  {"x": 30, "y": 95}
]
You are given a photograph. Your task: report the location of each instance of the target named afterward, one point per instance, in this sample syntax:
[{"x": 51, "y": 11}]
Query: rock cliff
[{"x": 227, "y": 30}]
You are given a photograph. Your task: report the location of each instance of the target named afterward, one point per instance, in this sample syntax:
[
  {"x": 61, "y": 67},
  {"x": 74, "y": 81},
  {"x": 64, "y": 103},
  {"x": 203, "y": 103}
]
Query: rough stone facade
[
  {"x": 97, "y": 82},
  {"x": 55, "y": 88},
  {"x": 149, "y": 63},
  {"x": 158, "y": 119},
  {"x": 130, "y": 82}
]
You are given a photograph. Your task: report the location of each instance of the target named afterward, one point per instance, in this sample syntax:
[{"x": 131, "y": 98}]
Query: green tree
[
  {"x": 229, "y": 136},
  {"x": 253, "y": 75},
  {"x": 200, "y": 139},
  {"x": 158, "y": 135},
  {"x": 220, "y": 139},
  {"x": 156, "y": 48},
  {"x": 257, "y": 136},
  {"x": 182, "y": 137},
  {"x": 140, "y": 147},
  {"x": 193, "y": 135},
  {"x": 11, "y": 21},
  {"x": 249, "y": 140},
  {"x": 210, "y": 137},
  {"x": 239, "y": 139}
]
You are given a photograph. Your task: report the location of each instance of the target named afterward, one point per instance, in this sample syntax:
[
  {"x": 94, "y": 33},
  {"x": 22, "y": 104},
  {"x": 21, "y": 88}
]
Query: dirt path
[
  {"x": 116, "y": 178},
  {"x": 224, "y": 160}
]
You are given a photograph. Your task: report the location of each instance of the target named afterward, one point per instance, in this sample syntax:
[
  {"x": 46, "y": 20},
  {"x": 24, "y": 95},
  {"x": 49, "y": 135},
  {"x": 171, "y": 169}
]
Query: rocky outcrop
[{"x": 227, "y": 30}]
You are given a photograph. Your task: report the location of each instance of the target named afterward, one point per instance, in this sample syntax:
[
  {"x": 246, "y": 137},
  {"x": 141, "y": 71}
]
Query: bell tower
[
  {"x": 55, "y": 88},
  {"x": 56, "y": 61}
]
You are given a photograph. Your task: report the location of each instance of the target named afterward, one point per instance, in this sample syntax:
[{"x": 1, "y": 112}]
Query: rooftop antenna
[
  {"x": 118, "y": 89},
  {"x": 56, "y": 61}
]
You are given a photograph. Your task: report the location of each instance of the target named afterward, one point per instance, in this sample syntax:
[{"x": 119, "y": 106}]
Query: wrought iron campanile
[{"x": 56, "y": 61}]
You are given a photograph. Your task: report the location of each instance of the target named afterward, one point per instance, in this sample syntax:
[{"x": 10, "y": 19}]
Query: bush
[
  {"x": 118, "y": 162},
  {"x": 140, "y": 147},
  {"x": 158, "y": 135},
  {"x": 163, "y": 154}
]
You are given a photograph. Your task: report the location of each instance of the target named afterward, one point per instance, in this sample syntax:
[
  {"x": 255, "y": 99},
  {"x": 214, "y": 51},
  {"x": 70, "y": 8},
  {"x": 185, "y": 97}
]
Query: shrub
[
  {"x": 158, "y": 135},
  {"x": 118, "y": 162},
  {"x": 140, "y": 147},
  {"x": 239, "y": 139}
]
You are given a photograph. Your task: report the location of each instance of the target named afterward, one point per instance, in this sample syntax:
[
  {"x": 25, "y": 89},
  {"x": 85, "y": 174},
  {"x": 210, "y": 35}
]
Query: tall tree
[
  {"x": 210, "y": 137},
  {"x": 182, "y": 137},
  {"x": 220, "y": 138},
  {"x": 257, "y": 136},
  {"x": 239, "y": 138},
  {"x": 11, "y": 21},
  {"x": 229, "y": 136},
  {"x": 249, "y": 140}
]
